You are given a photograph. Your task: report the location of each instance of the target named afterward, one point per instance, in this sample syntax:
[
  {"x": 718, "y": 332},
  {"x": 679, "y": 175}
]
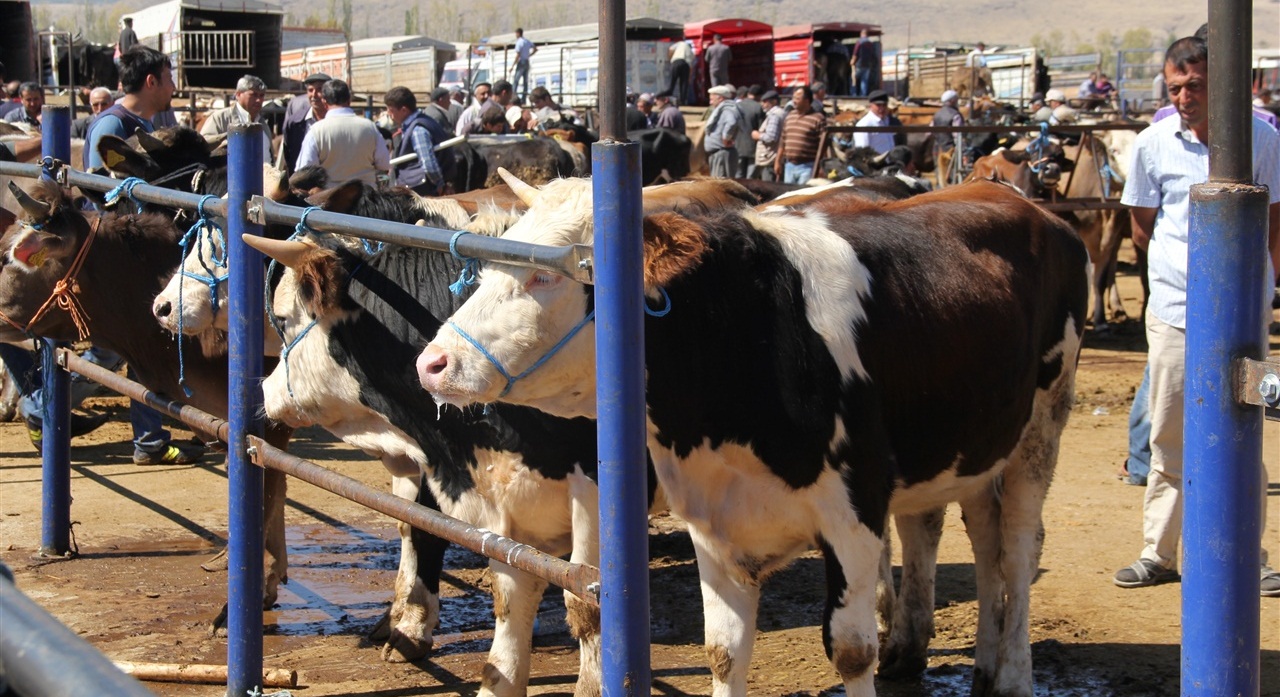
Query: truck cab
[{"x": 475, "y": 67}]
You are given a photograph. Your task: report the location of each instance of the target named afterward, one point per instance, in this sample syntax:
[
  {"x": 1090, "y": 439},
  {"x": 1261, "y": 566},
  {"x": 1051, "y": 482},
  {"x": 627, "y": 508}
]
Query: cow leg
[
  {"x": 583, "y": 617},
  {"x": 906, "y": 653},
  {"x": 415, "y": 611},
  {"x": 886, "y": 597},
  {"x": 729, "y": 608},
  {"x": 516, "y": 595},
  {"x": 275, "y": 562},
  {"x": 851, "y": 552},
  {"x": 981, "y": 514}
]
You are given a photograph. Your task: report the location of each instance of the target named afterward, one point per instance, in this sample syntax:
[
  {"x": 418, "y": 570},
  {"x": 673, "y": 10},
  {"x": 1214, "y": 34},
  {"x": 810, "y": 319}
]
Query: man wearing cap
[
  {"x": 721, "y": 135},
  {"x": 438, "y": 109},
  {"x": 877, "y": 115},
  {"x": 247, "y": 108},
  {"x": 1060, "y": 113},
  {"x": 949, "y": 115},
  {"x": 347, "y": 145},
  {"x": 767, "y": 135},
  {"x": 303, "y": 112},
  {"x": 669, "y": 115},
  {"x": 801, "y": 131}
]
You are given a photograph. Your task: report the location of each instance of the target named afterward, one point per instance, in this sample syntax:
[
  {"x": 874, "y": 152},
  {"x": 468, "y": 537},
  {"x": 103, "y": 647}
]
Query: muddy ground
[{"x": 136, "y": 590}]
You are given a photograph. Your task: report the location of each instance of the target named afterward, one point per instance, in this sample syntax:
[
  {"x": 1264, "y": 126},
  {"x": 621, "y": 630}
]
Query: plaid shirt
[{"x": 421, "y": 139}]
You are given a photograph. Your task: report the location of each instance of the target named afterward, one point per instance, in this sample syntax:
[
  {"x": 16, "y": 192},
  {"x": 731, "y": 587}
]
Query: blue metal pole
[
  {"x": 1222, "y": 454},
  {"x": 244, "y": 582},
  {"x": 624, "y": 548},
  {"x": 55, "y": 520}
]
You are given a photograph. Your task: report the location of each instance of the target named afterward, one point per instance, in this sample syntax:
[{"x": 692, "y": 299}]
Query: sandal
[{"x": 1143, "y": 573}]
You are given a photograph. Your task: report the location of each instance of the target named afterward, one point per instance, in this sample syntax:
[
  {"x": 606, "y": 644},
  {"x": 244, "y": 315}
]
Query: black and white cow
[{"x": 822, "y": 366}]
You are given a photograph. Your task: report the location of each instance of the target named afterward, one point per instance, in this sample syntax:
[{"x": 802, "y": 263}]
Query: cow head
[
  {"x": 151, "y": 156},
  {"x": 535, "y": 325},
  {"x": 38, "y": 248}
]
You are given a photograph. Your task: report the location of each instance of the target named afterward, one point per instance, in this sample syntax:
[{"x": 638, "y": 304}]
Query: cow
[
  {"x": 664, "y": 154},
  {"x": 478, "y": 160},
  {"x": 124, "y": 261},
  {"x": 806, "y": 351},
  {"x": 95, "y": 65}
]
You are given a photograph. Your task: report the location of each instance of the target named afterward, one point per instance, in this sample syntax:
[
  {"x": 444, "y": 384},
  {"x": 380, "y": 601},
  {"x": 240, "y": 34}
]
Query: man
[
  {"x": 865, "y": 58},
  {"x": 801, "y": 131},
  {"x": 127, "y": 38},
  {"x": 247, "y": 108},
  {"x": 977, "y": 58},
  {"x": 681, "y": 55},
  {"x": 767, "y": 135},
  {"x": 877, "y": 115},
  {"x": 32, "y": 101},
  {"x": 1059, "y": 112},
  {"x": 752, "y": 119},
  {"x": 633, "y": 118},
  {"x": 718, "y": 57},
  {"x": 12, "y": 98},
  {"x": 545, "y": 109},
  {"x": 494, "y": 122},
  {"x": 347, "y": 145},
  {"x": 303, "y": 112},
  {"x": 1168, "y": 158},
  {"x": 148, "y": 86},
  {"x": 469, "y": 119},
  {"x": 524, "y": 49},
  {"x": 99, "y": 99},
  {"x": 419, "y": 134},
  {"x": 669, "y": 115},
  {"x": 438, "y": 109},
  {"x": 1085, "y": 91},
  {"x": 721, "y": 135},
  {"x": 949, "y": 115},
  {"x": 819, "y": 93}
]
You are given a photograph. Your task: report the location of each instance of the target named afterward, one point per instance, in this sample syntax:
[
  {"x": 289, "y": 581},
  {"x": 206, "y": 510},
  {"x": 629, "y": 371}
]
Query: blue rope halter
[
  {"x": 204, "y": 221},
  {"x": 466, "y": 277},
  {"x": 1038, "y": 147},
  {"x": 125, "y": 188}
]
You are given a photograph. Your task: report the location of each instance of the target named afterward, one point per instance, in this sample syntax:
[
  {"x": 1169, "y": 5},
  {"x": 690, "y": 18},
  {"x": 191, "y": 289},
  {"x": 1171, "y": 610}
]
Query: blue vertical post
[
  {"x": 55, "y": 514},
  {"x": 624, "y": 530},
  {"x": 244, "y": 580}
]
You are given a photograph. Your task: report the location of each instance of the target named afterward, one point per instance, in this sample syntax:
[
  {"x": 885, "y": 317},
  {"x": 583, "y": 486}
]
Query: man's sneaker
[
  {"x": 81, "y": 424},
  {"x": 1270, "y": 582},
  {"x": 1145, "y": 572},
  {"x": 171, "y": 454}
]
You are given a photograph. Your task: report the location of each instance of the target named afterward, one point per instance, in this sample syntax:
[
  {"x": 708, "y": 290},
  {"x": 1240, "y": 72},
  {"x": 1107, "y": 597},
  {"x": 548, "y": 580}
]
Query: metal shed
[
  {"x": 18, "y": 50},
  {"x": 211, "y": 43}
]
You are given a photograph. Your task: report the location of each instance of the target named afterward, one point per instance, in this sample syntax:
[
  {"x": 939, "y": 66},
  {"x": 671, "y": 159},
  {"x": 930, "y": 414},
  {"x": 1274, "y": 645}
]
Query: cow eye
[{"x": 541, "y": 281}]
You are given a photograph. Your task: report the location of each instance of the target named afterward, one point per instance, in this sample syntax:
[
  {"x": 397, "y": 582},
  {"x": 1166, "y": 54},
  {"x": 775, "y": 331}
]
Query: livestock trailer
[
  {"x": 751, "y": 43},
  {"x": 18, "y": 50},
  {"x": 212, "y": 43},
  {"x": 373, "y": 65},
  {"x": 567, "y": 60},
  {"x": 805, "y": 53}
]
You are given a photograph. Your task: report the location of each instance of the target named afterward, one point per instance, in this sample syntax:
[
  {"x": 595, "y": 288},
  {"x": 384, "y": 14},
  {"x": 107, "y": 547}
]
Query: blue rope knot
[
  {"x": 466, "y": 277},
  {"x": 1038, "y": 147},
  {"x": 48, "y": 166},
  {"x": 511, "y": 381},
  {"x": 126, "y": 188},
  {"x": 302, "y": 228},
  {"x": 213, "y": 280}
]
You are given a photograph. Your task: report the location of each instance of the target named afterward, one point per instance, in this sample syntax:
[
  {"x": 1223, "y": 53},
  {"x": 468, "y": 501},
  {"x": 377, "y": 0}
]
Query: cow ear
[
  {"x": 340, "y": 199},
  {"x": 121, "y": 159},
  {"x": 673, "y": 245},
  {"x": 320, "y": 282}
]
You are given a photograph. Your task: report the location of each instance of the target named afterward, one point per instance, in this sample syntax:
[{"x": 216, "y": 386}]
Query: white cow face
[{"x": 518, "y": 316}]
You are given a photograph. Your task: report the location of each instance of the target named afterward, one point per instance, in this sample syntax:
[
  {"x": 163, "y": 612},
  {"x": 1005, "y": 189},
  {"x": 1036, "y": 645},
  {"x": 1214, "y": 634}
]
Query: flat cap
[
  {"x": 316, "y": 77},
  {"x": 878, "y": 96}
]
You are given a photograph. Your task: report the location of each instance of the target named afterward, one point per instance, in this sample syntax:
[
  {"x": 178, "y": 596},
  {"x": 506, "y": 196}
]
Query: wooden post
[{"x": 201, "y": 673}]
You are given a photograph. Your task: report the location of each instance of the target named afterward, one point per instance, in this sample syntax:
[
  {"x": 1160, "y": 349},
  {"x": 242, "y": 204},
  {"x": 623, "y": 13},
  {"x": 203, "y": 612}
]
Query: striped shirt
[
  {"x": 1167, "y": 161},
  {"x": 800, "y": 135}
]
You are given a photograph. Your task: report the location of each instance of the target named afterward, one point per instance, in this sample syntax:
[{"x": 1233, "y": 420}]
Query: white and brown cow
[{"x": 821, "y": 367}]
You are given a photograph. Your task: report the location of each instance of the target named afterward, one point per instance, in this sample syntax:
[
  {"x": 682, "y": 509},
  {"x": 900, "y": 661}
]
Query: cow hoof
[
  {"x": 218, "y": 563},
  {"x": 902, "y": 664},
  {"x": 403, "y": 649},
  {"x": 984, "y": 684},
  {"x": 381, "y": 631},
  {"x": 218, "y": 627}
]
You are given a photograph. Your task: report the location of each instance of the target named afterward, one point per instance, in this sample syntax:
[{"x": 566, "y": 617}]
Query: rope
[
  {"x": 65, "y": 291},
  {"x": 126, "y": 188},
  {"x": 289, "y": 345},
  {"x": 666, "y": 308},
  {"x": 466, "y": 277},
  {"x": 511, "y": 381},
  {"x": 1038, "y": 148},
  {"x": 203, "y": 222}
]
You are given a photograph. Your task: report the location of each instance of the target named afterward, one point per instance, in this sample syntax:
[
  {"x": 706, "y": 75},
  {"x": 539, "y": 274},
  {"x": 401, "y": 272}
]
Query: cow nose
[
  {"x": 162, "y": 309},
  {"x": 431, "y": 366}
]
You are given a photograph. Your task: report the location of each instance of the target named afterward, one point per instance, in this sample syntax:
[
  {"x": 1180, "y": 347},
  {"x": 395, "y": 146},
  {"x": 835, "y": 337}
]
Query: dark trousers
[{"x": 678, "y": 83}]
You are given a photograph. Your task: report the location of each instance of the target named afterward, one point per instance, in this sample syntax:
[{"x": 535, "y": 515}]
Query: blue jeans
[
  {"x": 1139, "y": 464},
  {"x": 148, "y": 433},
  {"x": 521, "y": 74},
  {"x": 863, "y": 76},
  {"x": 793, "y": 173}
]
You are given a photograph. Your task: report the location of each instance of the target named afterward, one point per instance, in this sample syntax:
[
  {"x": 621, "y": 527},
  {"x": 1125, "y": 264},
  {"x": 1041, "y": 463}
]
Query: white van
[{"x": 467, "y": 72}]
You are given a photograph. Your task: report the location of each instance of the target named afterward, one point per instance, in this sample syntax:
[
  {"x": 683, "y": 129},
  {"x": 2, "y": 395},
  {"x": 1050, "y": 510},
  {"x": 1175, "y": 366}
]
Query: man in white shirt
[
  {"x": 345, "y": 144},
  {"x": 977, "y": 58},
  {"x": 469, "y": 120},
  {"x": 524, "y": 49},
  {"x": 877, "y": 115},
  {"x": 247, "y": 108}
]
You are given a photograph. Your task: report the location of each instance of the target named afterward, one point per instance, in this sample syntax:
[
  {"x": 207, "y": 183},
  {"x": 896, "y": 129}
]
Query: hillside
[{"x": 1079, "y": 26}]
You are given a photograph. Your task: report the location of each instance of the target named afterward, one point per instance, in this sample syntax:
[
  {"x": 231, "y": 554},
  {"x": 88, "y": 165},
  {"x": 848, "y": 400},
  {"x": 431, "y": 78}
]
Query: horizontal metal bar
[
  {"x": 146, "y": 193},
  {"x": 987, "y": 129},
  {"x": 1258, "y": 384},
  {"x": 583, "y": 580},
  {"x": 195, "y": 418},
  {"x": 41, "y": 656},
  {"x": 573, "y": 261},
  {"x": 1081, "y": 204}
]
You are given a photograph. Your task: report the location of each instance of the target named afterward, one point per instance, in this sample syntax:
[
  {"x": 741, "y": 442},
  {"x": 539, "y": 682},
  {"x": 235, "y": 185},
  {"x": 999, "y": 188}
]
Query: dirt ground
[{"x": 136, "y": 590}]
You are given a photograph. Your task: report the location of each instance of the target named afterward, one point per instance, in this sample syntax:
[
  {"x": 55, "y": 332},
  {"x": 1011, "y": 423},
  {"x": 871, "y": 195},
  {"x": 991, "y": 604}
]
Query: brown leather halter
[{"x": 65, "y": 293}]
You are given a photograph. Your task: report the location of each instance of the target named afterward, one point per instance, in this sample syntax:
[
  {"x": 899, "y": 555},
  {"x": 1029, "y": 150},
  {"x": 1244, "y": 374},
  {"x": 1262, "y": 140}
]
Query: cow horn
[
  {"x": 523, "y": 191},
  {"x": 287, "y": 252},
  {"x": 37, "y": 209}
]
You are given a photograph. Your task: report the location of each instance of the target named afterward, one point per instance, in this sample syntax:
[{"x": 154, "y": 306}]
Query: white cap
[
  {"x": 1055, "y": 94},
  {"x": 949, "y": 95},
  {"x": 721, "y": 90}
]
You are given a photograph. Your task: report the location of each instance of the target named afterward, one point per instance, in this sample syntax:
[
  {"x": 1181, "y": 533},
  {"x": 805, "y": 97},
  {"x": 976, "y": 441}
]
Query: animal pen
[{"x": 1220, "y": 611}]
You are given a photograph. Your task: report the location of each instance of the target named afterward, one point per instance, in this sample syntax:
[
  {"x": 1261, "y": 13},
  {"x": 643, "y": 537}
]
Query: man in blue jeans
[{"x": 1139, "y": 462}]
